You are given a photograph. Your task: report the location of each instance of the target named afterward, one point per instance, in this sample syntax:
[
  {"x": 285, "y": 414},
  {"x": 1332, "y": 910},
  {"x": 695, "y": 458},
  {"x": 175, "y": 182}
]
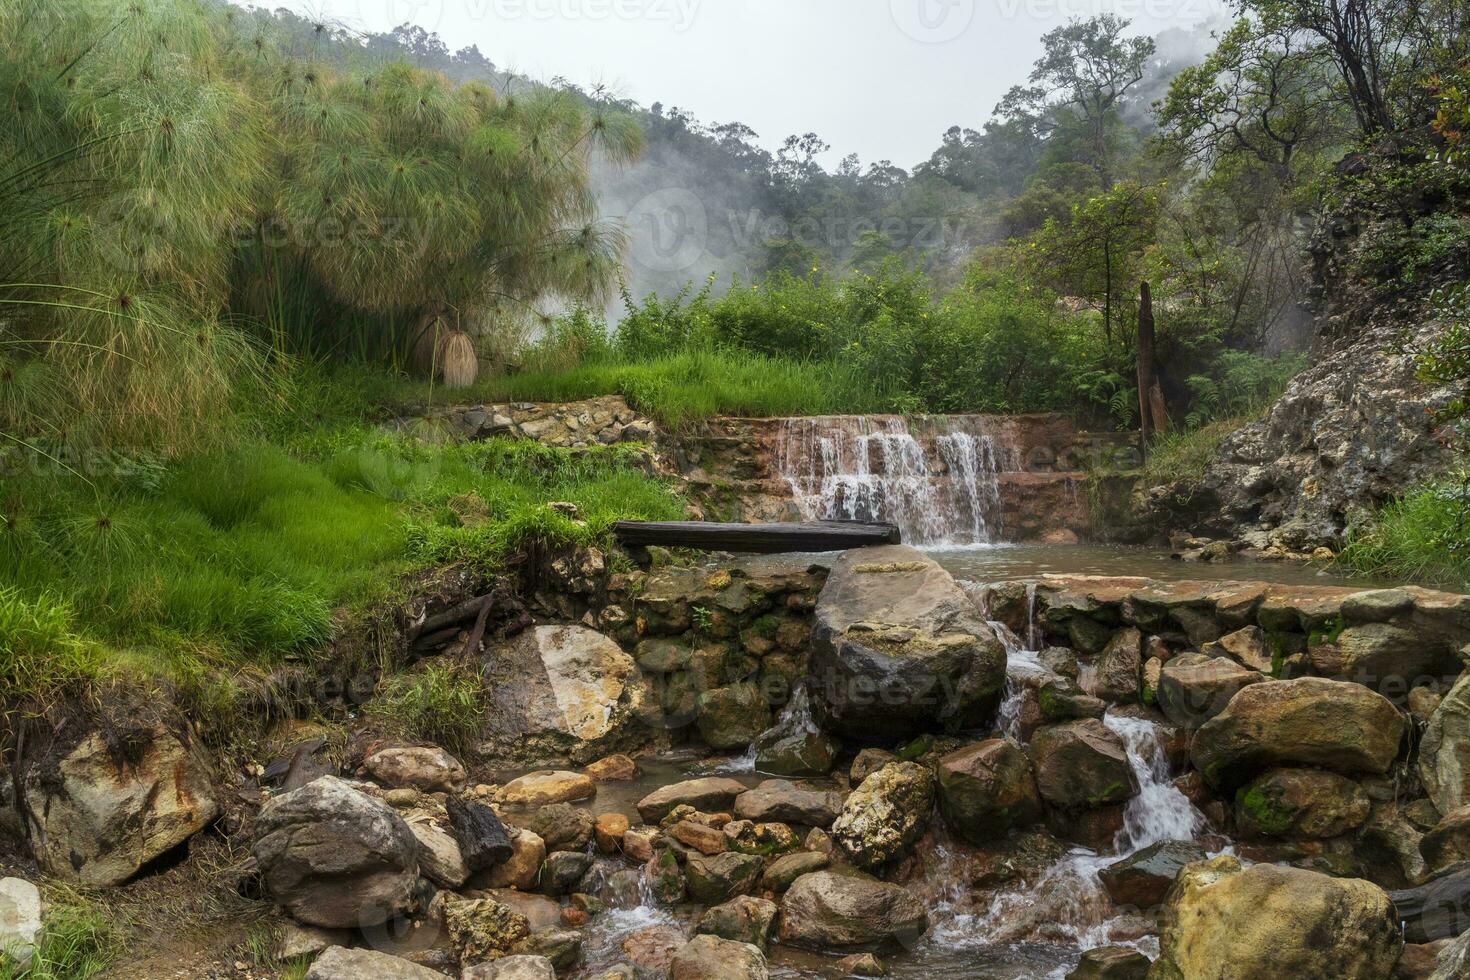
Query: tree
[{"x": 1087, "y": 67}]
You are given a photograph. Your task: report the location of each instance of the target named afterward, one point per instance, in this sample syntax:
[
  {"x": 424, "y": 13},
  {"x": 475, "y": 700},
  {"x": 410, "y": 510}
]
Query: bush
[{"x": 440, "y": 704}]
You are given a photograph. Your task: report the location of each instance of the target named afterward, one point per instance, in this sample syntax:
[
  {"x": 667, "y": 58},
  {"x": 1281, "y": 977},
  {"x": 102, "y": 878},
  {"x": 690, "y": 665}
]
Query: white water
[{"x": 940, "y": 489}]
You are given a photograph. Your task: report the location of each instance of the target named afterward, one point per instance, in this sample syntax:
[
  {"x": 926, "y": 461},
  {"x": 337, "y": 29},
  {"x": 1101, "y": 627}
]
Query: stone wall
[{"x": 575, "y": 425}]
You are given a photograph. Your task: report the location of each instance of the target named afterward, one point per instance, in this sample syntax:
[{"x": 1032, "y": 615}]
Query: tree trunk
[{"x": 1153, "y": 415}]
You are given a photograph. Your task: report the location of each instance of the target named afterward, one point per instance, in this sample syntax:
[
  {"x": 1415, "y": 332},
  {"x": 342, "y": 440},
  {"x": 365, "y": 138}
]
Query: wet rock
[
  {"x": 732, "y": 717},
  {"x": 780, "y": 873},
  {"x": 481, "y": 929},
  {"x": 890, "y": 621},
  {"x": 112, "y": 804},
  {"x": 765, "y": 839},
  {"x": 712, "y": 958},
  {"x": 520, "y": 870},
  {"x": 563, "y": 691},
  {"x": 1387, "y": 848},
  {"x": 709, "y": 794},
  {"x": 561, "y": 826},
  {"x": 1300, "y": 804},
  {"x": 742, "y": 919},
  {"x": 1246, "y": 647},
  {"x": 796, "y": 746},
  {"x": 1444, "y": 751},
  {"x": 720, "y": 877},
  {"x": 1111, "y": 963},
  {"x": 828, "y": 911},
  {"x": 483, "y": 839},
  {"x": 608, "y": 830},
  {"x": 546, "y": 786},
  {"x": 439, "y": 857},
  {"x": 1082, "y": 764},
  {"x": 884, "y": 816},
  {"x": 1060, "y": 661},
  {"x": 20, "y": 920},
  {"x": 612, "y": 768},
  {"x": 561, "y": 871},
  {"x": 1268, "y": 921},
  {"x": 987, "y": 790},
  {"x": 426, "y": 768},
  {"x": 1422, "y": 704},
  {"x": 1118, "y": 668},
  {"x": 519, "y": 967},
  {"x": 1143, "y": 879},
  {"x": 860, "y": 965},
  {"x": 333, "y": 856},
  {"x": 1311, "y": 722},
  {"x": 1385, "y": 656},
  {"x": 542, "y": 912},
  {"x": 1193, "y": 688},
  {"x": 1453, "y": 962},
  {"x": 703, "y": 838},
  {"x": 561, "y": 947},
  {"x": 665, "y": 877},
  {"x": 338, "y": 963},
  {"x": 638, "y": 842},
  {"x": 652, "y": 949},
  {"x": 1378, "y": 606},
  {"x": 867, "y": 762},
  {"x": 1449, "y": 842},
  {"x": 788, "y": 802}
]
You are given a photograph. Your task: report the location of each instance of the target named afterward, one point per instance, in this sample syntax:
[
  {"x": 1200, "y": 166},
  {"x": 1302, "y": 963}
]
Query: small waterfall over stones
[{"x": 939, "y": 485}]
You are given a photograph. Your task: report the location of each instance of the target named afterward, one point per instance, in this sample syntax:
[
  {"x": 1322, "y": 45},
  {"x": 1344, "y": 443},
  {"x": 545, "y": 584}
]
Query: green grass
[
  {"x": 1183, "y": 455},
  {"x": 78, "y": 941},
  {"x": 235, "y": 559},
  {"x": 440, "y": 703},
  {"x": 1422, "y": 537},
  {"x": 685, "y": 387}
]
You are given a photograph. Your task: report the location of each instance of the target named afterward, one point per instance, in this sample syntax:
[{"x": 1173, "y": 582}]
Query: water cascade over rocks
[{"x": 939, "y": 485}]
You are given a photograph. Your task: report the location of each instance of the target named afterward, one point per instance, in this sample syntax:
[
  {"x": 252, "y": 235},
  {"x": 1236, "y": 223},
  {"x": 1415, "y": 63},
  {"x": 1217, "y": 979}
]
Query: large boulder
[
  {"x": 20, "y": 920},
  {"x": 340, "y": 963},
  {"x": 899, "y": 648},
  {"x": 742, "y": 919},
  {"x": 796, "y": 745},
  {"x": 713, "y": 958},
  {"x": 1222, "y": 922},
  {"x": 563, "y": 691},
  {"x": 1449, "y": 841},
  {"x": 519, "y": 967},
  {"x": 1312, "y": 721},
  {"x": 987, "y": 789},
  {"x": 1143, "y": 879},
  {"x": 1119, "y": 667},
  {"x": 787, "y": 802},
  {"x": 1111, "y": 963},
  {"x": 1444, "y": 751},
  {"x": 1082, "y": 765},
  {"x": 829, "y": 911},
  {"x": 717, "y": 878},
  {"x": 114, "y": 803},
  {"x": 546, "y": 786},
  {"x": 709, "y": 794},
  {"x": 733, "y": 716},
  {"x": 884, "y": 816},
  {"x": 333, "y": 856},
  {"x": 1300, "y": 804},
  {"x": 1193, "y": 688}
]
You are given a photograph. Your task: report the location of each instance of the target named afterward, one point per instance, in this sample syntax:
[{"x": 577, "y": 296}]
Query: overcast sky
[{"x": 881, "y": 78}]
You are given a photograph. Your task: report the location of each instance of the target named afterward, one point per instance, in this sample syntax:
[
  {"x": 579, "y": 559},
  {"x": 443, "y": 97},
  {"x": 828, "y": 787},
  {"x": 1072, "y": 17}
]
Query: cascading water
[{"x": 940, "y": 488}]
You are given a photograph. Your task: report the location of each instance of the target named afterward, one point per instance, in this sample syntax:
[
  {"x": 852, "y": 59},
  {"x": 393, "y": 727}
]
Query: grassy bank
[
  {"x": 1422, "y": 537},
  {"x": 235, "y": 558}
]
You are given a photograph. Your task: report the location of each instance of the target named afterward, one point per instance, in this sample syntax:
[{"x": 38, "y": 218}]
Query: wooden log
[
  {"x": 1437, "y": 909},
  {"x": 764, "y": 539},
  {"x": 482, "y": 838}
]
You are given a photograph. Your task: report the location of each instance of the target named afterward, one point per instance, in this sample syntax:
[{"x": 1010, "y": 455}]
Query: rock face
[
  {"x": 828, "y": 911},
  {"x": 563, "y": 691},
  {"x": 1222, "y": 922},
  {"x": 884, "y": 816},
  {"x": 1081, "y": 765},
  {"x": 1444, "y": 751},
  {"x": 1193, "y": 688},
  {"x": 428, "y": 768},
  {"x": 108, "y": 808},
  {"x": 988, "y": 789},
  {"x": 338, "y": 963},
  {"x": 333, "y": 856},
  {"x": 1300, "y": 804},
  {"x": 899, "y": 649},
  {"x": 1336, "y": 725},
  {"x": 712, "y": 958}
]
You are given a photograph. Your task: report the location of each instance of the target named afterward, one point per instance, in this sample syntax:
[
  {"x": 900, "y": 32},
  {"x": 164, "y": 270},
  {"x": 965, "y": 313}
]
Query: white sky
[{"x": 881, "y": 78}]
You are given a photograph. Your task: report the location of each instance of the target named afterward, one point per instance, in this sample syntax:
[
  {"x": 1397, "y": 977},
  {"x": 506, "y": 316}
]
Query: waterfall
[{"x": 940, "y": 488}]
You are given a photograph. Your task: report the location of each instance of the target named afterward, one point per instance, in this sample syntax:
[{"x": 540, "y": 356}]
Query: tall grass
[
  {"x": 691, "y": 385},
  {"x": 79, "y": 941},
  {"x": 1424, "y": 537}
]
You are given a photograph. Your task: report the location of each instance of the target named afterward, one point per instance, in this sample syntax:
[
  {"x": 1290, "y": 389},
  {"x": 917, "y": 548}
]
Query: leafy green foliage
[
  {"x": 441, "y": 704},
  {"x": 1425, "y": 536}
]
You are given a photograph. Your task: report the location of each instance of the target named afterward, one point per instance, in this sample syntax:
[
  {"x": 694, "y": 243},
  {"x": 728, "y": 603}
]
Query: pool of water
[{"x": 1000, "y": 562}]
